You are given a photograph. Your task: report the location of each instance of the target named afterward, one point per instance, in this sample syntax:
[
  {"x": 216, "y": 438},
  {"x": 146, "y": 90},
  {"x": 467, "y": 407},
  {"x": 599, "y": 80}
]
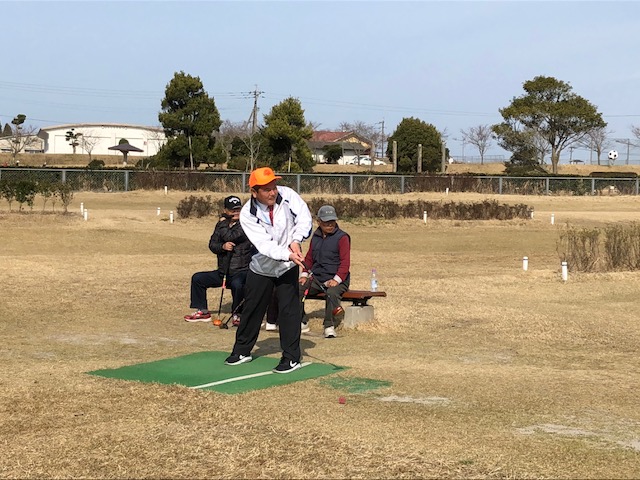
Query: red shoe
[
  {"x": 235, "y": 320},
  {"x": 198, "y": 317}
]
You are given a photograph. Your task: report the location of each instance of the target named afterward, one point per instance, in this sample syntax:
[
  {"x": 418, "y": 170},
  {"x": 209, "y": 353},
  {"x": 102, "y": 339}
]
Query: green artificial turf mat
[{"x": 207, "y": 371}]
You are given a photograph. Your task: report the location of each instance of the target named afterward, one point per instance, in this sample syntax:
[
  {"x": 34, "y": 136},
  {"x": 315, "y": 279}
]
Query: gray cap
[{"x": 327, "y": 213}]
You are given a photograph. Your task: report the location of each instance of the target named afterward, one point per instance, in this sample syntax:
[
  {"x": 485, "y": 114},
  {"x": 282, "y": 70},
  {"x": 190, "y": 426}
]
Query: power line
[
  {"x": 370, "y": 106},
  {"x": 97, "y": 92}
]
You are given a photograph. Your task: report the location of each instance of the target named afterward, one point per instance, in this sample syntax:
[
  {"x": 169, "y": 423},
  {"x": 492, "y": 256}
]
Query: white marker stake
[
  {"x": 86, "y": 215},
  {"x": 424, "y": 216},
  {"x": 553, "y": 219},
  {"x": 446, "y": 191},
  {"x": 158, "y": 212},
  {"x": 166, "y": 190},
  {"x": 565, "y": 274},
  {"x": 525, "y": 263},
  {"x": 531, "y": 214},
  {"x": 170, "y": 217},
  {"x": 81, "y": 208}
]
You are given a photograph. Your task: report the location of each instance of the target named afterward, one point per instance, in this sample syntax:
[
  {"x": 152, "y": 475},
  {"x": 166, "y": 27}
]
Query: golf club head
[{"x": 224, "y": 326}]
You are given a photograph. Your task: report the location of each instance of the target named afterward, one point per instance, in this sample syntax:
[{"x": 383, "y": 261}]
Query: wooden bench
[{"x": 357, "y": 297}]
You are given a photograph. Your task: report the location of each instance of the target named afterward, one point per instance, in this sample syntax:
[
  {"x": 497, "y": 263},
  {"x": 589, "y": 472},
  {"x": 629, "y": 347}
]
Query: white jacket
[{"x": 291, "y": 222}]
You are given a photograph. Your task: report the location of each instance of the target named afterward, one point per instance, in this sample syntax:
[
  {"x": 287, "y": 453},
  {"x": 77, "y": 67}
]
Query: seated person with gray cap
[
  {"x": 327, "y": 268},
  {"x": 234, "y": 252}
]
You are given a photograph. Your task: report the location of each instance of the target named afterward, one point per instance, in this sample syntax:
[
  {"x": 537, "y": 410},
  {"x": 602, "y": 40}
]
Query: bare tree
[
  {"x": 540, "y": 145},
  {"x": 88, "y": 142},
  {"x": 357, "y": 148},
  {"x": 480, "y": 137},
  {"x": 229, "y": 131},
  {"x": 21, "y": 136},
  {"x": 636, "y": 133},
  {"x": 314, "y": 125},
  {"x": 597, "y": 140},
  {"x": 365, "y": 130},
  {"x": 157, "y": 137},
  {"x": 252, "y": 141}
]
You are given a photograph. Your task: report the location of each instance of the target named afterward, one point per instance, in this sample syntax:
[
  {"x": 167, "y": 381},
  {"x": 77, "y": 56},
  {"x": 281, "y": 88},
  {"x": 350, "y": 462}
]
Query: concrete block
[{"x": 354, "y": 314}]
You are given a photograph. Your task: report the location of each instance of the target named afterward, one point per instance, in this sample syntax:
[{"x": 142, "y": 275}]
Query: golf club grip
[{"x": 308, "y": 285}]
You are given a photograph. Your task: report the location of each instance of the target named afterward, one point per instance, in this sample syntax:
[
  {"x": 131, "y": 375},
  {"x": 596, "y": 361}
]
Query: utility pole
[
  {"x": 394, "y": 153},
  {"x": 253, "y": 118},
  {"x": 381, "y": 139},
  {"x": 628, "y": 143}
]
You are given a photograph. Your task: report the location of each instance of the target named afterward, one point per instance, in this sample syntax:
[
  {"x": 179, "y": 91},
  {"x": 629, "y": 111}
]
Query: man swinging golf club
[
  {"x": 234, "y": 251},
  {"x": 276, "y": 220},
  {"x": 329, "y": 260}
]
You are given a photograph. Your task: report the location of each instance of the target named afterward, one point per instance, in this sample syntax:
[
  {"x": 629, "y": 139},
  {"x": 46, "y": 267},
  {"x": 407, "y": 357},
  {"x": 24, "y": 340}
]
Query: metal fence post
[
  {"x": 350, "y": 183},
  {"x": 402, "y": 184},
  {"x": 126, "y": 180},
  {"x": 546, "y": 186},
  {"x": 298, "y": 183},
  {"x": 63, "y": 179},
  {"x": 637, "y": 186},
  {"x": 500, "y": 185},
  {"x": 593, "y": 186}
]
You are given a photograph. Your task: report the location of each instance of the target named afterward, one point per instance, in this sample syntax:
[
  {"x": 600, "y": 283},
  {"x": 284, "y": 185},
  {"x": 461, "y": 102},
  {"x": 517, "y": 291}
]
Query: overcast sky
[{"x": 452, "y": 64}]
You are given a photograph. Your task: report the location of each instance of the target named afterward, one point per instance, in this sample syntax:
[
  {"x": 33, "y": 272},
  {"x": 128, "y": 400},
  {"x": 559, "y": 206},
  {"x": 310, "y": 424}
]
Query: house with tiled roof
[{"x": 353, "y": 145}]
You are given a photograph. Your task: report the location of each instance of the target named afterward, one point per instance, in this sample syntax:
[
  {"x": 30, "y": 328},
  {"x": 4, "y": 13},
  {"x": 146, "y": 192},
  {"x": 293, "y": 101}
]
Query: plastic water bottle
[{"x": 374, "y": 280}]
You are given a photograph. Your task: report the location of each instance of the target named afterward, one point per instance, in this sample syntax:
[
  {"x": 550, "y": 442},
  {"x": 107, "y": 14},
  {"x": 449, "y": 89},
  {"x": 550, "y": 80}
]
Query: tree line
[{"x": 545, "y": 120}]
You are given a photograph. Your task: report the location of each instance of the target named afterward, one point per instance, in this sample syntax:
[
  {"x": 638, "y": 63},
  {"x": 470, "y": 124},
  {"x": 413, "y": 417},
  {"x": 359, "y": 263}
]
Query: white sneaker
[
  {"x": 329, "y": 332},
  {"x": 270, "y": 327},
  {"x": 304, "y": 328}
]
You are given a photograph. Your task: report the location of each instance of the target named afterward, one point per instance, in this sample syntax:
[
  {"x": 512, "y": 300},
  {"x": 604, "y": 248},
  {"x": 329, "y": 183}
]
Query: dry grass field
[{"x": 494, "y": 372}]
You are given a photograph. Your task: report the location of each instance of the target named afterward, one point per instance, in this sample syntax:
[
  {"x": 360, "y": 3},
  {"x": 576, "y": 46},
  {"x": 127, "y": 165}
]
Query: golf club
[
  {"x": 216, "y": 321},
  {"x": 225, "y": 325},
  {"x": 307, "y": 286},
  {"x": 336, "y": 310}
]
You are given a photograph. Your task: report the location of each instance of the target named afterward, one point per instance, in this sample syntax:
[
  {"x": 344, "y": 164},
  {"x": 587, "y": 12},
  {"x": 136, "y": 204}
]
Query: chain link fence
[{"x": 347, "y": 184}]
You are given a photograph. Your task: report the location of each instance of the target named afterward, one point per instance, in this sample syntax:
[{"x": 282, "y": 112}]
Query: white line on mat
[{"x": 242, "y": 377}]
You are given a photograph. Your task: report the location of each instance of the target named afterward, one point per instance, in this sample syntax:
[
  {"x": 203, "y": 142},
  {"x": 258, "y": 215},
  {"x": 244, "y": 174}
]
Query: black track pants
[{"x": 258, "y": 292}]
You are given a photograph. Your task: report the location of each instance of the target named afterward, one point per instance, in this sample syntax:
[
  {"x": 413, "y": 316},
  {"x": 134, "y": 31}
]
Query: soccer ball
[{"x": 613, "y": 154}]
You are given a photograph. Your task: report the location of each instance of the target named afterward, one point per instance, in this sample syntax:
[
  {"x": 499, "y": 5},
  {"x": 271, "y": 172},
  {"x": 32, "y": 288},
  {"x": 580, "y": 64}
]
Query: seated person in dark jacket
[
  {"x": 329, "y": 260},
  {"x": 234, "y": 251}
]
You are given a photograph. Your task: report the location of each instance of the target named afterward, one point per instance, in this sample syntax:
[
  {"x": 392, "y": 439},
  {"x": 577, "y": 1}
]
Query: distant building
[
  {"x": 32, "y": 144},
  {"x": 103, "y": 136},
  {"x": 353, "y": 146}
]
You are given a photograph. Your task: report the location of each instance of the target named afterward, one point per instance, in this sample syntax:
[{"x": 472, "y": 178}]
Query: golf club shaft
[
  {"x": 331, "y": 300},
  {"x": 224, "y": 282}
]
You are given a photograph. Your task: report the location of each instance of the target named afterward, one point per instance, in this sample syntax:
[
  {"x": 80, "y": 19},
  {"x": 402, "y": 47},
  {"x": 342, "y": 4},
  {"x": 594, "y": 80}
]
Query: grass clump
[
  {"x": 484, "y": 210},
  {"x": 196, "y": 206},
  {"x": 26, "y": 191},
  {"x": 613, "y": 248}
]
